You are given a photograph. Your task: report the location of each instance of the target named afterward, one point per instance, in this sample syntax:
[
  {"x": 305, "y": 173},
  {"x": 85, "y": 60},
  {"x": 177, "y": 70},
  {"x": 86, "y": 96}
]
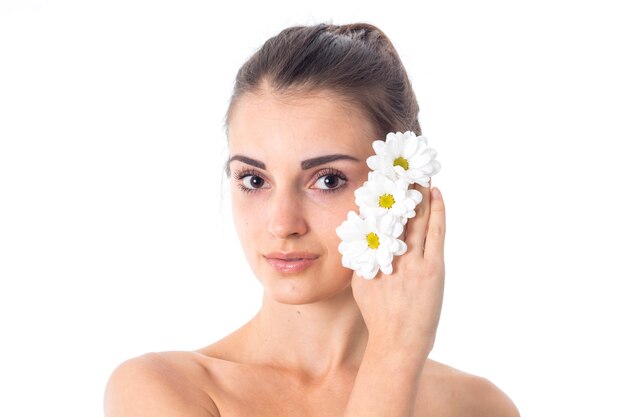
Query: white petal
[
  {"x": 408, "y": 204},
  {"x": 348, "y": 231},
  {"x": 362, "y": 260},
  {"x": 386, "y": 225},
  {"x": 397, "y": 210},
  {"x": 344, "y": 230},
  {"x": 393, "y": 147},
  {"x": 377, "y": 187},
  {"x": 383, "y": 255},
  {"x": 423, "y": 181},
  {"x": 394, "y": 246},
  {"x": 436, "y": 167},
  {"x": 371, "y": 258},
  {"x": 360, "y": 192},
  {"x": 343, "y": 247},
  {"x": 352, "y": 216},
  {"x": 410, "y": 147},
  {"x": 408, "y": 134},
  {"x": 367, "y": 274},
  {"x": 372, "y": 270},
  {"x": 400, "y": 172},
  {"x": 386, "y": 269},
  {"x": 379, "y": 147},
  {"x": 389, "y": 186},
  {"x": 366, "y": 198},
  {"x": 355, "y": 248},
  {"x": 374, "y": 162},
  {"x": 369, "y": 211},
  {"x": 371, "y": 224},
  {"x": 415, "y": 195},
  {"x": 399, "y": 193},
  {"x": 402, "y": 249},
  {"x": 423, "y": 158},
  {"x": 397, "y": 230},
  {"x": 347, "y": 262},
  {"x": 368, "y": 269}
]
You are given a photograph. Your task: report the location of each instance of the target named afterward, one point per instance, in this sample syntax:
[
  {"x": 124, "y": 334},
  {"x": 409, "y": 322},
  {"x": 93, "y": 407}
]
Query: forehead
[{"x": 269, "y": 125}]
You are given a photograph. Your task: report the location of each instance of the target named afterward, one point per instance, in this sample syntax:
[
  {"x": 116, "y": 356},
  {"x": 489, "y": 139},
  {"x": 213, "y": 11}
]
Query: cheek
[
  {"x": 246, "y": 219},
  {"x": 330, "y": 217},
  {"x": 338, "y": 212}
]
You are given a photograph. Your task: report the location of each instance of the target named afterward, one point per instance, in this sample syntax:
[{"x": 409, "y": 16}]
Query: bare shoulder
[
  {"x": 159, "y": 383},
  {"x": 471, "y": 395}
]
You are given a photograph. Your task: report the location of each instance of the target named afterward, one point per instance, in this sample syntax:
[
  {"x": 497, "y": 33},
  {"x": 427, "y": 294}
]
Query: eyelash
[
  {"x": 328, "y": 172},
  {"x": 241, "y": 174}
]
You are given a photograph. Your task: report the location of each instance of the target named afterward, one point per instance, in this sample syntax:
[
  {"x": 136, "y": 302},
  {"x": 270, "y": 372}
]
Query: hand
[{"x": 402, "y": 310}]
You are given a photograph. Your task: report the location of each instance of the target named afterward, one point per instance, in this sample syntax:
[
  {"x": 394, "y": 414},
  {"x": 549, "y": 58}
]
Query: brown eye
[
  {"x": 253, "y": 181},
  {"x": 329, "y": 182}
]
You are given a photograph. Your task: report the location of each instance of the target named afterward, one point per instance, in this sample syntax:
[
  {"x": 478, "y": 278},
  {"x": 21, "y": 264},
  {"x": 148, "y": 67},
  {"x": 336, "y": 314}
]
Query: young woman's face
[{"x": 295, "y": 164}]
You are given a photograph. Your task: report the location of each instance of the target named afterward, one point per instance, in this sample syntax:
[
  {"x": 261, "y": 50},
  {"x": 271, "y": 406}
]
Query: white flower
[
  {"x": 406, "y": 157},
  {"x": 370, "y": 244},
  {"x": 381, "y": 196},
  {"x": 369, "y": 240}
]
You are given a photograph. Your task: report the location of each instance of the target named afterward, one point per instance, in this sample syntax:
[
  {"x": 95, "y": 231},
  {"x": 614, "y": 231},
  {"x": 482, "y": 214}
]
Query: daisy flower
[
  {"x": 406, "y": 157},
  {"x": 381, "y": 196},
  {"x": 369, "y": 244},
  {"x": 369, "y": 240}
]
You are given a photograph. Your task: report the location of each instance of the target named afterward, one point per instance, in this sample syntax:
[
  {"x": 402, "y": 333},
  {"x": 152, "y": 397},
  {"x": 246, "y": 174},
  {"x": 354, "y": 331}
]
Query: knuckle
[
  {"x": 438, "y": 207},
  {"x": 437, "y": 230},
  {"x": 434, "y": 268}
]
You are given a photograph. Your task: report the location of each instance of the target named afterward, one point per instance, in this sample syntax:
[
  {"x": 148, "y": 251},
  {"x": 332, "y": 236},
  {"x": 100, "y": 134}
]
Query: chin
[
  {"x": 293, "y": 291},
  {"x": 299, "y": 290}
]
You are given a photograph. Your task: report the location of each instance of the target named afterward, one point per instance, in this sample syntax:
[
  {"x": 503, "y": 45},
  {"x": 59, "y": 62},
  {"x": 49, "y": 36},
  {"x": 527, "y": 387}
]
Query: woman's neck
[{"x": 317, "y": 340}]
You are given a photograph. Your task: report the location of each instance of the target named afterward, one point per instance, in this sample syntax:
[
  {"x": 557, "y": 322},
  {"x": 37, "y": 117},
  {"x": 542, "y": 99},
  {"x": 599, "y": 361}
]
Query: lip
[{"x": 290, "y": 262}]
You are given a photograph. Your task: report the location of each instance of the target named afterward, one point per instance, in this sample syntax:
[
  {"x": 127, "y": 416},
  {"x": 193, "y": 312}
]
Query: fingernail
[{"x": 436, "y": 193}]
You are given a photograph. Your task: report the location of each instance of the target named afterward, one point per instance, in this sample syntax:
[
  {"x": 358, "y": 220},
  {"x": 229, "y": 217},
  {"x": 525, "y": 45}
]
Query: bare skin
[{"x": 325, "y": 342}]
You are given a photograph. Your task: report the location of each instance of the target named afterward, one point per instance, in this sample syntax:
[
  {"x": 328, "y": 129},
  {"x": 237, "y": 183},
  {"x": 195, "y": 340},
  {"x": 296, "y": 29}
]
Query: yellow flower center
[
  {"x": 386, "y": 201},
  {"x": 401, "y": 162},
  {"x": 372, "y": 240}
]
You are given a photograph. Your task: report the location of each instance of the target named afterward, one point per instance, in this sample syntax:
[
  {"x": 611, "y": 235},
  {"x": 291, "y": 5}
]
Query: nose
[{"x": 286, "y": 217}]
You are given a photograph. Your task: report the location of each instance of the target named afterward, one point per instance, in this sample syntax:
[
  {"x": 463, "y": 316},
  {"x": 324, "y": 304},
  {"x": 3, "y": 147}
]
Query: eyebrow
[
  {"x": 313, "y": 162},
  {"x": 306, "y": 164},
  {"x": 247, "y": 160}
]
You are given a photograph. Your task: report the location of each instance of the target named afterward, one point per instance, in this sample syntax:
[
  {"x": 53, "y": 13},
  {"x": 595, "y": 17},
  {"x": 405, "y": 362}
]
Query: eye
[
  {"x": 330, "y": 180},
  {"x": 253, "y": 181},
  {"x": 250, "y": 180}
]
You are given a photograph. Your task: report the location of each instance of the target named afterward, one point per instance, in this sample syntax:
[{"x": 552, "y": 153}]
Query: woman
[{"x": 305, "y": 110}]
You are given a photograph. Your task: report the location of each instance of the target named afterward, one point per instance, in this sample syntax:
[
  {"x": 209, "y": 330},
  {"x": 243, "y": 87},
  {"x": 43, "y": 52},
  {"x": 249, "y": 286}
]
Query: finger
[
  {"x": 436, "y": 226},
  {"x": 416, "y": 227}
]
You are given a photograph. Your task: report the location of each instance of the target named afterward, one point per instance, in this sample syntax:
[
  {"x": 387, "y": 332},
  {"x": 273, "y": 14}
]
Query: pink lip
[{"x": 290, "y": 262}]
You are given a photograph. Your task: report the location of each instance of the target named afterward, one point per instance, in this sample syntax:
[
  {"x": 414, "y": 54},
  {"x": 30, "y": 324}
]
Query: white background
[{"x": 116, "y": 239}]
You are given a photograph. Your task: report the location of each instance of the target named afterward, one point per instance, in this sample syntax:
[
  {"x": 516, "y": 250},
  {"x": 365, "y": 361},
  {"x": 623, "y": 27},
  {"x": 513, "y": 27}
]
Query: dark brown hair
[{"x": 356, "y": 61}]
